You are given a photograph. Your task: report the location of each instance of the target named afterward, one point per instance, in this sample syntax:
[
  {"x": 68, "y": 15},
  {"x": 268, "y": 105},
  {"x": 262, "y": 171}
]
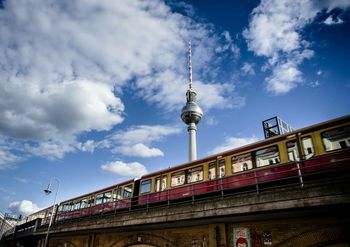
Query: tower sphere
[{"x": 191, "y": 113}]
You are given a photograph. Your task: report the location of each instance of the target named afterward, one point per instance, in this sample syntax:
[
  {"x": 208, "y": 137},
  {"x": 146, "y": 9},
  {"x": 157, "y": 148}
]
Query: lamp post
[{"x": 47, "y": 192}]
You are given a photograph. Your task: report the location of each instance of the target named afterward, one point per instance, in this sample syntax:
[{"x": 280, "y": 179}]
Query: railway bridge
[{"x": 312, "y": 214}]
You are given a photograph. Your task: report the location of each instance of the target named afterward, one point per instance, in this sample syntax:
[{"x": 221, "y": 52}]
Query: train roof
[
  {"x": 325, "y": 124},
  {"x": 97, "y": 191}
]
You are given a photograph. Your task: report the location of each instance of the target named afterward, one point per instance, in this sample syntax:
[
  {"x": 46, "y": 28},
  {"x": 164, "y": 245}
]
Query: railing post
[
  {"x": 256, "y": 183},
  {"x": 147, "y": 202},
  {"x": 222, "y": 188},
  {"x": 115, "y": 207},
  {"x": 192, "y": 194},
  {"x": 300, "y": 175},
  {"x": 168, "y": 197}
]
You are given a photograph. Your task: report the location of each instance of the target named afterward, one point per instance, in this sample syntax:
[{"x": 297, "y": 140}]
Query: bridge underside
[{"x": 313, "y": 215}]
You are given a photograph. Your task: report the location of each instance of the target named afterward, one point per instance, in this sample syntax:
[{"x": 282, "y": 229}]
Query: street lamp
[{"x": 48, "y": 191}]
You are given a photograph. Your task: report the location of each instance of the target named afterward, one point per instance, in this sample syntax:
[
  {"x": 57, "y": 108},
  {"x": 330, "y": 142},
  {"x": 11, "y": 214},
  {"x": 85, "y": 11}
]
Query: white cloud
[
  {"x": 248, "y": 69},
  {"x": 135, "y": 141},
  {"x": 331, "y": 21},
  {"x": 50, "y": 149},
  {"x": 233, "y": 142},
  {"x": 60, "y": 75},
  {"x": 31, "y": 112},
  {"x": 88, "y": 146},
  {"x": 284, "y": 78},
  {"x": 275, "y": 32},
  {"x": 140, "y": 150},
  {"x": 120, "y": 168},
  {"x": 144, "y": 134},
  {"x": 23, "y": 207},
  {"x": 7, "y": 159},
  {"x": 319, "y": 72}
]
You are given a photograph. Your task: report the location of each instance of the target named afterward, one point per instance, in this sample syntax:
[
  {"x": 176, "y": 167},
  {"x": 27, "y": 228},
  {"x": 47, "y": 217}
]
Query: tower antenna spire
[
  {"x": 191, "y": 113},
  {"x": 190, "y": 64}
]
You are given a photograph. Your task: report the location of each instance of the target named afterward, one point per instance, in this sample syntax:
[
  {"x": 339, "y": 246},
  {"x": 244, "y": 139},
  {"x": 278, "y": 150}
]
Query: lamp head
[{"x": 48, "y": 189}]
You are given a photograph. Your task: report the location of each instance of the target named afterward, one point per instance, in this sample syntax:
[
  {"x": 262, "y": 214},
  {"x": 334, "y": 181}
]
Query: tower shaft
[{"x": 192, "y": 142}]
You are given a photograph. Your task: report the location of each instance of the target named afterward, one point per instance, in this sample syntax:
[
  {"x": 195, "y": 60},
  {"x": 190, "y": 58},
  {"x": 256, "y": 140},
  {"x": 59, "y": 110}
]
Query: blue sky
[{"x": 91, "y": 91}]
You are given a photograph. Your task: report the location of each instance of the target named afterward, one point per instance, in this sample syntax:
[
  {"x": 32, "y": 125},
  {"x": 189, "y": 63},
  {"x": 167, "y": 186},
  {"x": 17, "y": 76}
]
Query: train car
[
  {"x": 115, "y": 197},
  {"x": 315, "y": 152},
  {"x": 297, "y": 156}
]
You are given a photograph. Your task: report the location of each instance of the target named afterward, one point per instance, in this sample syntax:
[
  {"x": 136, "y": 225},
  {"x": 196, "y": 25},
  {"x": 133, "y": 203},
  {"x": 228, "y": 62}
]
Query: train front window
[
  {"x": 212, "y": 171},
  {"x": 127, "y": 191},
  {"x": 195, "y": 174},
  {"x": 241, "y": 163},
  {"x": 308, "y": 147},
  {"x": 177, "y": 179},
  {"x": 146, "y": 186},
  {"x": 336, "y": 139},
  {"x": 267, "y": 156},
  {"x": 292, "y": 150}
]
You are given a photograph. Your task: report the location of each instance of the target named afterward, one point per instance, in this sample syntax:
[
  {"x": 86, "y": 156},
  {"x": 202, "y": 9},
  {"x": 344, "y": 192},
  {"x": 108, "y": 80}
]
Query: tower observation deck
[{"x": 191, "y": 113}]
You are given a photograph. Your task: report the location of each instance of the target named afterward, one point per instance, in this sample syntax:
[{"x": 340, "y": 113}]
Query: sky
[{"x": 91, "y": 91}]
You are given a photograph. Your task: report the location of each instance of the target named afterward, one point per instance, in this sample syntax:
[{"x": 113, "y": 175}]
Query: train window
[
  {"x": 118, "y": 193},
  {"x": 267, "y": 156},
  {"x": 127, "y": 191},
  {"x": 146, "y": 186},
  {"x": 91, "y": 200},
  {"x": 212, "y": 171},
  {"x": 99, "y": 199},
  {"x": 157, "y": 184},
  {"x": 160, "y": 184},
  {"x": 84, "y": 203},
  {"x": 177, "y": 178},
  {"x": 292, "y": 150},
  {"x": 164, "y": 183},
  {"x": 66, "y": 207},
  {"x": 241, "y": 163},
  {"x": 107, "y": 197},
  {"x": 76, "y": 205},
  {"x": 195, "y": 174},
  {"x": 308, "y": 147},
  {"x": 222, "y": 168},
  {"x": 336, "y": 139}
]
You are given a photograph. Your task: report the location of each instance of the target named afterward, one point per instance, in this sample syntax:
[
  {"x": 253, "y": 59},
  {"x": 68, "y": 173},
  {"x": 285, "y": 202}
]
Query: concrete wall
[{"x": 305, "y": 231}]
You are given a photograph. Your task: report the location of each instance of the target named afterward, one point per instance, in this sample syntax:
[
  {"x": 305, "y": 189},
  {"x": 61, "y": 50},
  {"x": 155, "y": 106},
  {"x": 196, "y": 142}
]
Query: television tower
[{"x": 191, "y": 113}]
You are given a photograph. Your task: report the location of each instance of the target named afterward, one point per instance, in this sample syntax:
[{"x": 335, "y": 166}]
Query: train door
[
  {"x": 294, "y": 154},
  {"x": 221, "y": 168},
  {"x": 135, "y": 195}
]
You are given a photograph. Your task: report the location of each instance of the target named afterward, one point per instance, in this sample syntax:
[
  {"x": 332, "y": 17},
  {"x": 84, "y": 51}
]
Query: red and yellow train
[{"x": 314, "y": 152}]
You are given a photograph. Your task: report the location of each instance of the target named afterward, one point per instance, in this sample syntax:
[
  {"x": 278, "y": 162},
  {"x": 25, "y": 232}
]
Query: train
[{"x": 315, "y": 152}]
